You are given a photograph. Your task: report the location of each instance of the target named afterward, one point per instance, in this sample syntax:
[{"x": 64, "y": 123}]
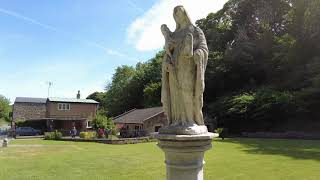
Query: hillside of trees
[{"x": 263, "y": 71}]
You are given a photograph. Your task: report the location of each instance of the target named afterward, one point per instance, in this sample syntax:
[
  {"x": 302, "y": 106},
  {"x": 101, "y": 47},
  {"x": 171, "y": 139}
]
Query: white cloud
[{"x": 144, "y": 32}]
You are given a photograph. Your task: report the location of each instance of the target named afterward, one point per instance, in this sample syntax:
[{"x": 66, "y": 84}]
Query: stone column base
[{"x": 184, "y": 154}]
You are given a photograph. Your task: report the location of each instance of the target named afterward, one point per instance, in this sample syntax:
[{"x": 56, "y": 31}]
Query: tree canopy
[
  {"x": 5, "y": 108},
  {"x": 263, "y": 71},
  {"x": 132, "y": 87}
]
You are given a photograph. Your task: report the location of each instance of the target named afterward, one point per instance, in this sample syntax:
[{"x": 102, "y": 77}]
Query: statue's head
[{"x": 181, "y": 16}]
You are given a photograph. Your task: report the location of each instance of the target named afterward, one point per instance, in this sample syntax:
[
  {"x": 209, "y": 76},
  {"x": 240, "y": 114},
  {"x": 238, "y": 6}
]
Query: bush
[
  {"x": 218, "y": 130},
  {"x": 114, "y": 131},
  {"x": 88, "y": 135},
  {"x": 102, "y": 122},
  {"x": 52, "y": 135}
]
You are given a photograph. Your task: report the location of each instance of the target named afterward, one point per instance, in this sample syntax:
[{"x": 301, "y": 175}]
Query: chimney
[{"x": 78, "y": 95}]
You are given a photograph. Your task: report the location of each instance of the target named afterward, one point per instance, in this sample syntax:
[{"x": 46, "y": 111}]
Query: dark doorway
[{"x": 156, "y": 129}]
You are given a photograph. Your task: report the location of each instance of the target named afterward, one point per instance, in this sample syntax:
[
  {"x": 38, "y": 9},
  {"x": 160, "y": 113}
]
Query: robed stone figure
[{"x": 183, "y": 71}]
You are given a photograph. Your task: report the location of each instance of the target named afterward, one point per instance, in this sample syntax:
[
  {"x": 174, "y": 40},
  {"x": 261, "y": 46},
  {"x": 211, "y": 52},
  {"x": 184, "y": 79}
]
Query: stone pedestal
[
  {"x": 184, "y": 154},
  {"x": 5, "y": 142}
]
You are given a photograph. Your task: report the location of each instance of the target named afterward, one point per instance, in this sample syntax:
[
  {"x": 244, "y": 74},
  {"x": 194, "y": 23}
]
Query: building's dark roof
[
  {"x": 30, "y": 100},
  {"x": 72, "y": 100},
  {"x": 137, "y": 116}
]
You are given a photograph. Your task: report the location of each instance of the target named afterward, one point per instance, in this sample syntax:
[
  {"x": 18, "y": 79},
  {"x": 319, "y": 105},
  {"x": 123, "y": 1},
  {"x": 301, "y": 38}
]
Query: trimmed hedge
[{"x": 88, "y": 135}]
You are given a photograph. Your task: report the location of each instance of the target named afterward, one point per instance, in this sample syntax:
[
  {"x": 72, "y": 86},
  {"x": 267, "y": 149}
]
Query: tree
[
  {"x": 133, "y": 87},
  {"x": 263, "y": 43},
  {"x": 264, "y": 58},
  {"x": 103, "y": 122},
  {"x": 97, "y": 96},
  {"x": 5, "y": 108},
  {"x": 117, "y": 96}
]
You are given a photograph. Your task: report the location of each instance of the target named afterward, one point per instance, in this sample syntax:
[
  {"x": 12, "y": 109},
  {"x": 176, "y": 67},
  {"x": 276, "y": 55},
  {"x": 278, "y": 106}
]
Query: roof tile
[
  {"x": 30, "y": 100},
  {"x": 73, "y": 100},
  {"x": 137, "y": 115}
]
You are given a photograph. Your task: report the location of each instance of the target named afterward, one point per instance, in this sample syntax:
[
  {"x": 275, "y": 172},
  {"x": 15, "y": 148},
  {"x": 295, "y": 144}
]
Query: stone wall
[
  {"x": 25, "y": 111},
  {"x": 150, "y": 124},
  {"x": 112, "y": 141}
]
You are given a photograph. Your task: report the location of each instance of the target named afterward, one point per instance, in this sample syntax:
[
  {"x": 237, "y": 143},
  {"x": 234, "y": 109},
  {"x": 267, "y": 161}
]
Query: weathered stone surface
[
  {"x": 158, "y": 120},
  {"x": 192, "y": 129},
  {"x": 186, "y": 138},
  {"x": 25, "y": 111},
  {"x": 184, "y": 154},
  {"x": 5, "y": 142},
  {"x": 183, "y": 75}
]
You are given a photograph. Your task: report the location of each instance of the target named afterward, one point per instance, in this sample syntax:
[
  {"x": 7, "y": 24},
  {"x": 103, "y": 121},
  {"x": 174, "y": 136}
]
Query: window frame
[
  {"x": 64, "y": 106},
  {"x": 88, "y": 124}
]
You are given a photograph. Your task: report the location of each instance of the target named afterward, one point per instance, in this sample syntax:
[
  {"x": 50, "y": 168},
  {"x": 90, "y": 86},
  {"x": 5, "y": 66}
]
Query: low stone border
[{"x": 112, "y": 141}]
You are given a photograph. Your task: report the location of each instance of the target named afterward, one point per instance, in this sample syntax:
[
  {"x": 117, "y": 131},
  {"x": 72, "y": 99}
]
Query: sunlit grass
[{"x": 229, "y": 159}]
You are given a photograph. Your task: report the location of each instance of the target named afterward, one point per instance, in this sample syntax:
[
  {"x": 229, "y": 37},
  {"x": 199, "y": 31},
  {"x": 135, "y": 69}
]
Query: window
[
  {"x": 63, "y": 106},
  {"x": 89, "y": 124}
]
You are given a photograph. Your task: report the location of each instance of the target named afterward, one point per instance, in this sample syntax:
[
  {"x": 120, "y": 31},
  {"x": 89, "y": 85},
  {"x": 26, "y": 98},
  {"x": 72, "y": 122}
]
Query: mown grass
[{"x": 229, "y": 159}]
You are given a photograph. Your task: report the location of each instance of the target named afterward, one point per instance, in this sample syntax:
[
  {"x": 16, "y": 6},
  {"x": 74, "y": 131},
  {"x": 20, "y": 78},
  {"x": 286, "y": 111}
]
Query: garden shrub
[
  {"x": 103, "y": 122},
  {"x": 88, "y": 135},
  {"x": 56, "y": 135}
]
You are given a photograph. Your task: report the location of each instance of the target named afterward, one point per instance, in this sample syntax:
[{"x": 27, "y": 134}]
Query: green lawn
[{"x": 233, "y": 159}]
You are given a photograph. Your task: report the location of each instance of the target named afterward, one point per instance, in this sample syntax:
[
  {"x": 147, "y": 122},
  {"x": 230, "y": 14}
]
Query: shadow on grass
[{"x": 298, "y": 149}]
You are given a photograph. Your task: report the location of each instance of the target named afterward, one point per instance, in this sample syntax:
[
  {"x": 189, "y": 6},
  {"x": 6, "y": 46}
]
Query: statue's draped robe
[{"x": 183, "y": 77}]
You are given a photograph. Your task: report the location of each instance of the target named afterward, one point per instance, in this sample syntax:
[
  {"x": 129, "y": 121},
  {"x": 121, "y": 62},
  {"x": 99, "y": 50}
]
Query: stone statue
[{"x": 183, "y": 72}]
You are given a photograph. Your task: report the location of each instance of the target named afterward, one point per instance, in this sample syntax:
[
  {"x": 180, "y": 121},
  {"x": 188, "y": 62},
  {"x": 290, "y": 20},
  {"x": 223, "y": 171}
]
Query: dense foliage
[
  {"x": 103, "y": 122},
  {"x": 88, "y": 135},
  {"x": 56, "y": 135},
  {"x": 5, "y": 108},
  {"x": 263, "y": 71},
  {"x": 132, "y": 87}
]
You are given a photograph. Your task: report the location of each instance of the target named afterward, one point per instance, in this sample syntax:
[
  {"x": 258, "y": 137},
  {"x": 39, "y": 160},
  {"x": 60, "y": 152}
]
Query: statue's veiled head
[{"x": 181, "y": 17}]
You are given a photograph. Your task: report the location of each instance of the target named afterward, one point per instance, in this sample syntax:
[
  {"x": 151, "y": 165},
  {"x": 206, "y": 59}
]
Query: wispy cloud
[
  {"x": 57, "y": 30},
  {"x": 135, "y": 6},
  {"x": 144, "y": 32},
  {"x": 27, "y": 19}
]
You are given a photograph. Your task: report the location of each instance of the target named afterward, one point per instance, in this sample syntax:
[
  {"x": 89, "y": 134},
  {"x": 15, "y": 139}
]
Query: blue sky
[{"x": 78, "y": 44}]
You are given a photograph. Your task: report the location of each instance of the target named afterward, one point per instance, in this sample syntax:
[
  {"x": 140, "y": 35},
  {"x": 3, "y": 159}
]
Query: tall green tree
[
  {"x": 263, "y": 43},
  {"x": 5, "y": 108},
  {"x": 264, "y": 58},
  {"x": 133, "y": 87}
]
